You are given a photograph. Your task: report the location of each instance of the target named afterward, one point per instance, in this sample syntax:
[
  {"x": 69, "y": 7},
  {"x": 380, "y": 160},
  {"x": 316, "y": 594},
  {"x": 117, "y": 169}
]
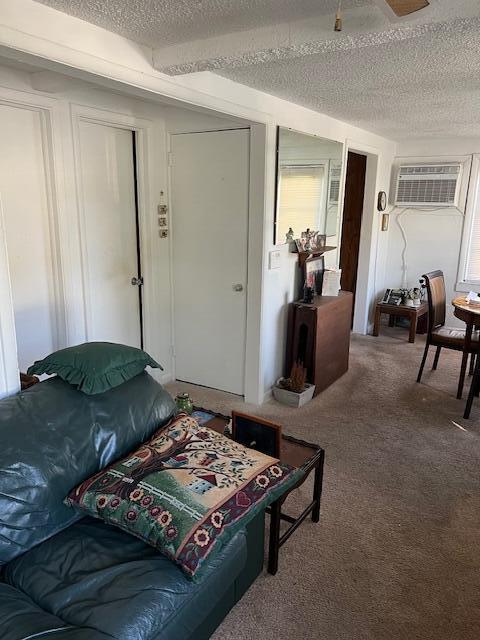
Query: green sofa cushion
[
  {"x": 95, "y": 367},
  {"x": 23, "y": 619},
  {"x": 94, "y": 575},
  {"x": 52, "y": 437}
]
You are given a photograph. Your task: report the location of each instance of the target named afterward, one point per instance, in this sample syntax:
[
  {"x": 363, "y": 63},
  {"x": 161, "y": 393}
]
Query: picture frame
[
  {"x": 393, "y": 297},
  {"x": 300, "y": 244},
  {"x": 318, "y": 242},
  {"x": 313, "y": 270},
  {"x": 256, "y": 433}
]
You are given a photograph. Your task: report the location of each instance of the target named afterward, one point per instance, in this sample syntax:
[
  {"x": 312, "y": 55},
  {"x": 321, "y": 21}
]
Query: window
[
  {"x": 469, "y": 276},
  {"x": 473, "y": 259},
  {"x": 300, "y": 198}
]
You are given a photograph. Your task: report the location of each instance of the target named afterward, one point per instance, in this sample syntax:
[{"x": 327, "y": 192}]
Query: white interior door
[
  {"x": 25, "y": 208},
  {"x": 110, "y": 233},
  {"x": 210, "y": 184}
]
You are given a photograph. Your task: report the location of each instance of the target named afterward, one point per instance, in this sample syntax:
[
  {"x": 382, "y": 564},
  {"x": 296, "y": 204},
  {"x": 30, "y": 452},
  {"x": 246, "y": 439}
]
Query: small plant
[
  {"x": 411, "y": 294},
  {"x": 297, "y": 379},
  {"x": 294, "y": 391}
]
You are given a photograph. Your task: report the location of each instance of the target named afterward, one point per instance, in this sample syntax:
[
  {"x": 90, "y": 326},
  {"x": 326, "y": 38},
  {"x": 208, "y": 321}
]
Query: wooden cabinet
[{"x": 319, "y": 336}]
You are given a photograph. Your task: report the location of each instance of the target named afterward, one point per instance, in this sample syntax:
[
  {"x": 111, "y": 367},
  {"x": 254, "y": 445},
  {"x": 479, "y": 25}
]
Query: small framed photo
[
  {"x": 318, "y": 242},
  {"x": 313, "y": 274},
  {"x": 301, "y": 243},
  {"x": 257, "y": 433}
]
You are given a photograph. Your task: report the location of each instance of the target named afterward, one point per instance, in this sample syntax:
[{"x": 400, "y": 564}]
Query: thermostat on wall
[{"x": 274, "y": 260}]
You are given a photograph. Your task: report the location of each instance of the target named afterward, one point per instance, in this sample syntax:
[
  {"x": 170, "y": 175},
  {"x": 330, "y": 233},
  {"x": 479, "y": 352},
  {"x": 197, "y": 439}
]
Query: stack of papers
[
  {"x": 473, "y": 298},
  {"x": 331, "y": 282}
]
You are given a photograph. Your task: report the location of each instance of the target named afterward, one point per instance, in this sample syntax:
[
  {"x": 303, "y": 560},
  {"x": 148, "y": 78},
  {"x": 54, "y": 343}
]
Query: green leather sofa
[{"x": 66, "y": 577}]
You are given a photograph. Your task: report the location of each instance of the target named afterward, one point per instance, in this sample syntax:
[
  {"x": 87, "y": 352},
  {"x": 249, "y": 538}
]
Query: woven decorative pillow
[
  {"x": 95, "y": 367},
  {"x": 185, "y": 491}
]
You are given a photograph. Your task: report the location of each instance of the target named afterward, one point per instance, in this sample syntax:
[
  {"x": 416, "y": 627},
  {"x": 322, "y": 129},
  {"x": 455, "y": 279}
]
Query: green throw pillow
[{"x": 95, "y": 367}]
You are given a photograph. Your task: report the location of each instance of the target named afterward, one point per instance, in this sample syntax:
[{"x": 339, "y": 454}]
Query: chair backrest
[{"x": 437, "y": 299}]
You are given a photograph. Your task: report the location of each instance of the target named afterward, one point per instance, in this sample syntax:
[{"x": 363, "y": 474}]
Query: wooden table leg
[
  {"x": 391, "y": 320},
  {"x": 376, "y": 324},
  {"x": 274, "y": 541},
  {"x": 473, "y": 387},
  {"x": 317, "y": 488},
  {"x": 463, "y": 369},
  {"x": 413, "y": 326}
]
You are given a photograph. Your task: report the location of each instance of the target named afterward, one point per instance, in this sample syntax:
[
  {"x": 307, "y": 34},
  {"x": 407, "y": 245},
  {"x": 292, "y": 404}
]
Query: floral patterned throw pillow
[{"x": 185, "y": 491}]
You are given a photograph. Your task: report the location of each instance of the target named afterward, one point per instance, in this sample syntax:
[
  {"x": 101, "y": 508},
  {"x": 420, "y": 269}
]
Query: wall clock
[{"x": 382, "y": 201}]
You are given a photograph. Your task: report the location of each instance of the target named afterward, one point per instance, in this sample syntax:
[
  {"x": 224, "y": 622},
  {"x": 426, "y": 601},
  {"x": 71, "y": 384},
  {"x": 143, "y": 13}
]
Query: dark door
[{"x": 352, "y": 220}]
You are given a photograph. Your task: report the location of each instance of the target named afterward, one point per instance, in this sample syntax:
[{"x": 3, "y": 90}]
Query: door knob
[
  {"x": 136, "y": 282},
  {"x": 237, "y": 287}
]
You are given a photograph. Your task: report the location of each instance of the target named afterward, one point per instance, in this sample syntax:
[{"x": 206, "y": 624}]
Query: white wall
[
  {"x": 66, "y": 43},
  {"x": 431, "y": 239},
  {"x": 69, "y": 98},
  {"x": 63, "y": 101}
]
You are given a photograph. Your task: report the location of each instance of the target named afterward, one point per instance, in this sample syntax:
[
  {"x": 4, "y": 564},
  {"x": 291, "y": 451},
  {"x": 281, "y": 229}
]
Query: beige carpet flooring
[{"x": 396, "y": 554}]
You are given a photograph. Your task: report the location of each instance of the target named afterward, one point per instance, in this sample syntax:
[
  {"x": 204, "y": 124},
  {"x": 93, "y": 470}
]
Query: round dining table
[{"x": 470, "y": 314}]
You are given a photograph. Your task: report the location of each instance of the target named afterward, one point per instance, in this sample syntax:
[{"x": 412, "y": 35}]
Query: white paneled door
[
  {"x": 210, "y": 191},
  {"x": 110, "y": 233},
  {"x": 25, "y": 208}
]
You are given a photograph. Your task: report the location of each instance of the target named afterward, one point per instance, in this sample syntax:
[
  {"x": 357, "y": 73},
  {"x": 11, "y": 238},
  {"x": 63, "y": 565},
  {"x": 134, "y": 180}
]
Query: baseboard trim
[{"x": 268, "y": 395}]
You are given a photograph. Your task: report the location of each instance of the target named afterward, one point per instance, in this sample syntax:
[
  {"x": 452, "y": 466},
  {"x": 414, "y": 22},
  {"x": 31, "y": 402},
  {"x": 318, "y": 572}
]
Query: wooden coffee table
[
  {"x": 297, "y": 453},
  {"x": 403, "y": 311}
]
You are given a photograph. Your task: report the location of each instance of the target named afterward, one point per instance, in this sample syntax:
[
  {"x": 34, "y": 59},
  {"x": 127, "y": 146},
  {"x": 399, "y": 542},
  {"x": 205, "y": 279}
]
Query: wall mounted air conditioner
[
  {"x": 334, "y": 183},
  {"x": 428, "y": 185}
]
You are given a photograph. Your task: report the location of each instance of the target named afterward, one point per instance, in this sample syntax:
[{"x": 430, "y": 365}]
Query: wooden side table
[
  {"x": 402, "y": 311},
  {"x": 319, "y": 336},
  {"x": 309, "y": 458},
  {"x": 297, "y": 453}
]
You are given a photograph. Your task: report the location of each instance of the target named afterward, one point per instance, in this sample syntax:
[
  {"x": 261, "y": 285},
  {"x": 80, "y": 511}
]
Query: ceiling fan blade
[{"x": 404, "y": 7}]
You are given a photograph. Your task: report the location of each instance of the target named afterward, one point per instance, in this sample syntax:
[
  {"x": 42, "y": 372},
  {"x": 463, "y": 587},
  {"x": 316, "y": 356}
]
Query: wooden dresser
[{"x": 319, "y": 336}]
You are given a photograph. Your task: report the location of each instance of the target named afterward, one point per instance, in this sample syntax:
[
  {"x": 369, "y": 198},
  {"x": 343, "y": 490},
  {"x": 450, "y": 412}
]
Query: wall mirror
[{"x": 309, "y": 171}]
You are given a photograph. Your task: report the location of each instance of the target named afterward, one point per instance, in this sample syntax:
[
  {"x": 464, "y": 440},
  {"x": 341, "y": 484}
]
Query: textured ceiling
[
  {"x": 428, "y": 86},
  {"x": 403, "y": 79},
  {"x": 165, "y": 22}
]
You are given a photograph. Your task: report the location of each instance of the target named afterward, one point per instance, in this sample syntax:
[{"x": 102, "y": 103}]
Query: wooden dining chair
[{"x": 439, "y": 335}]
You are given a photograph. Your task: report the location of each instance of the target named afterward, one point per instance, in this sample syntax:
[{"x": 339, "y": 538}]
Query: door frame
[
  {"x": 367, "y": 256},
  {"x": 253, "y": 383},
  {"x": 352, "y": 164},
  {"x": 146, "y": 229},
  {"x": 50, "y": 123}
]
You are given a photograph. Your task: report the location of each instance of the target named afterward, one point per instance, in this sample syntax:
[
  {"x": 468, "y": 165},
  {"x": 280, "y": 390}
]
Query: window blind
[
  {"x": 471, "y": 274},
  {"x": 473, "y": 258},
  {"x": 300, "y": 194}
]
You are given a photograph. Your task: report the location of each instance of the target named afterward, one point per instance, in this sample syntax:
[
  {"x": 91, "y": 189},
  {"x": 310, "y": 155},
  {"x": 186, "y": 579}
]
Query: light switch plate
[{"x": 274, "y": 259}]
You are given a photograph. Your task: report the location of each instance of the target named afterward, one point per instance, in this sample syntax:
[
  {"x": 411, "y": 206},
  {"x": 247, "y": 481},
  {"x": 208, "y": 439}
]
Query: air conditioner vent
[
  {"x": 334, "y": 187},
  {"x": 428, "y": 185}
]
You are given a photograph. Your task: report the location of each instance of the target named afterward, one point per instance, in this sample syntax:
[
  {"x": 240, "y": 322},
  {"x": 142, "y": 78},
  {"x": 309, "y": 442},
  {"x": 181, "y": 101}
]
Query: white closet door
[
  {"x": 25, "y": 209},
  {"x": 110, "y": 233},
  {"x": 210, "y": 188}
]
